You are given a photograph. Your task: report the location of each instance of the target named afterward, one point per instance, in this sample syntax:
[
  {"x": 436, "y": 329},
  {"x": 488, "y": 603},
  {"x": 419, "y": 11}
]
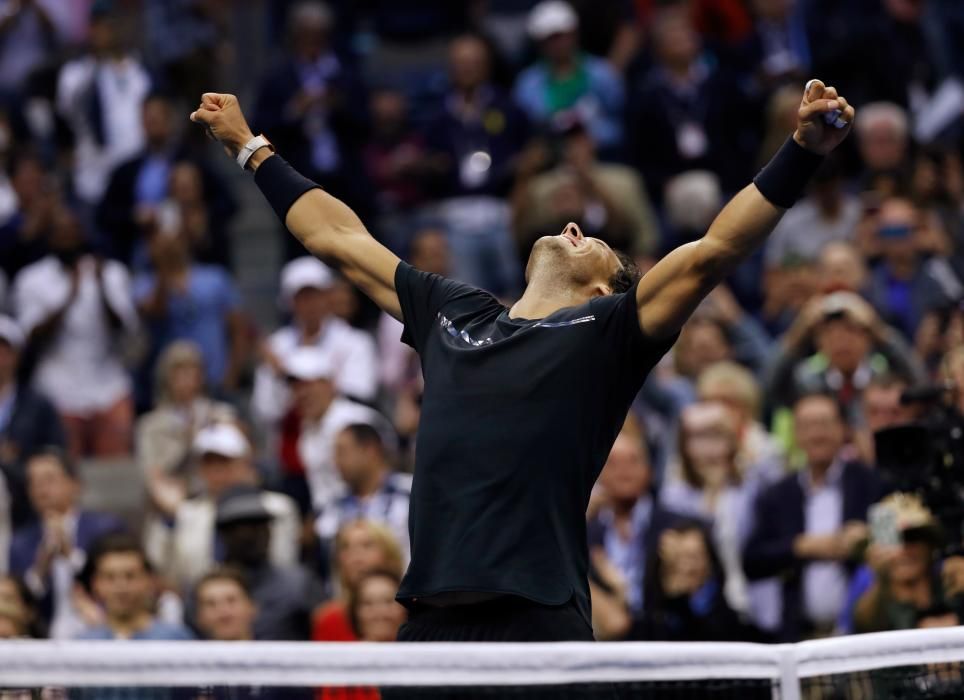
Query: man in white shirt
[
  {"x": 324, "y": 413},
  {"x": 225, "y": 462},
  {"x": 371, "y": 491},
  {"x": 74, "y": 307},
  {"x": 306, "y": 285},
  {"x": 99, "y": 95}
]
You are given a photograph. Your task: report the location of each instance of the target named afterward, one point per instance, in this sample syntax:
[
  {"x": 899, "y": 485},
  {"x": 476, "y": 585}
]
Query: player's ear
[{"x": 601, "y": 290}]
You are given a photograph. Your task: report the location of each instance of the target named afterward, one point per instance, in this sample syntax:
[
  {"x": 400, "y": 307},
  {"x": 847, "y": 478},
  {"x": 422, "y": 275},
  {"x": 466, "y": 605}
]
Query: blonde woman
[{"x": 361, "y": 546}]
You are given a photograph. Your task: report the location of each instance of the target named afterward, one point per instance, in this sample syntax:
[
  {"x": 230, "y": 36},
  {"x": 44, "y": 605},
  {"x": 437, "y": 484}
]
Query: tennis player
[{"x": 522, "y": 404}]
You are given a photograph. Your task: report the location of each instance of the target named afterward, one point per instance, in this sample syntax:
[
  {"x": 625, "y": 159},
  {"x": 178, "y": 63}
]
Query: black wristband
[
  {"x": 783, "y": 180},
  {"x": 281, "y": 184}
]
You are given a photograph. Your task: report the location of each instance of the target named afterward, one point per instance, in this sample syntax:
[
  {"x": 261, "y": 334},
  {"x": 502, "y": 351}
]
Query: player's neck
[{"x": 543, "y": 297}]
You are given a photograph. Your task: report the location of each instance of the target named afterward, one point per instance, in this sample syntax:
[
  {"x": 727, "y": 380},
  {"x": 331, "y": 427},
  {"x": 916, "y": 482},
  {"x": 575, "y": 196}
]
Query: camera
[{"x": 926, "y": 458}]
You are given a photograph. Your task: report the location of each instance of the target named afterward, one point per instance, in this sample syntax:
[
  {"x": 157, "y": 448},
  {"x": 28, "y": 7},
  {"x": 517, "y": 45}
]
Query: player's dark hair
[{"x": 626, "y": 276}]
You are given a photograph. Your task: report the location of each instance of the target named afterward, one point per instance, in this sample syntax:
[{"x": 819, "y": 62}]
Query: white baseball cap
[
  {"x": 224, "y": 439},
  {"x": 551, "y": 17},
  {"x": 11, "y": 333},
  {"x": 304, "y": 272},
  {"x": 308, "y": 364}
]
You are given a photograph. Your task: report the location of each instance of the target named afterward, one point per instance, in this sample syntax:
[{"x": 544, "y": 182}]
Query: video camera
[{"x": 927, "y": 458}]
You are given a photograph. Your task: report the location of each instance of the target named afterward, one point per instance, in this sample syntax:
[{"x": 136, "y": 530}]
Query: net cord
[{"x": 31, "y": 663}]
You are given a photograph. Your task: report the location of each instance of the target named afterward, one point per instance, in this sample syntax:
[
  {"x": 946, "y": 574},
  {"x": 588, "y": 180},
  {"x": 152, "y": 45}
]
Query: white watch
[{"x": 256, "y": 143}]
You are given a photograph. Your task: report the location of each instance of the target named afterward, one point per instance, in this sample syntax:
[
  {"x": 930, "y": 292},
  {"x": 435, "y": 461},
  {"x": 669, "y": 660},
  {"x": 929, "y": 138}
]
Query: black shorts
[{"x": 506, "y": 619}]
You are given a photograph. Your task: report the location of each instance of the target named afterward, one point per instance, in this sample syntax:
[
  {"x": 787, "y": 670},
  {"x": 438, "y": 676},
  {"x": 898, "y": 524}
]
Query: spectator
[
  {"x": 371, "y": 490},
  {"x": 720, "y": 330},
  {"x": 24, "y": 236},
  {"x": 28, "y": 36},
  {"x": 99, "y": 95},
  {"x": 626, "y": 520},
  {"x": 900, "y": 580},
  {"x": 185, "y": 300},
  {"x": 808, "y": 525},
  {"x": 735, "y": 388},
  {"x": 323, "y": 413},
  {"x": 165, "y": 436},
  {"x": 224, "y": 461},
  {"x": 361, "y": 547},
  {"x": 777, "y": 50},
  {"x": 707, "y": 484},
  {"x": 397, "y": 165},
  {"x": 226, "y": 612},
  {"x": 475, "y": 139},
  {"x": 828, "y": 214},
  {"x": 284, "y": 595},
  {"x": 373, "y": 609},
  {"x": 840, "y": 267},
  {"x": 883, "y": 139},
  {"x": 163, "y": 187},
  {"x": 12, "y": 622},
  {"x": 684, "y": 590},
  {"x": 224, "y": 608},
  {"x": 310, "y": 103},
  {"x": 49, "y": 552},
  {"x": 691, "y": 201},
  {"x": 569, "y": 81},
  {"x": 17, "y": 610},
  {"x": 306, "y": 285},
  {"x": 881, "y": 408},
  {"x": 75, "y": 307},
  {"x": 27, "y": 422},
  {"x": 120, "y": 580},
  {"x": 678, "y": 108},
  {"x": 182, "y": 41},
  {"x": 607, "y": 199},
  {"x": 905, "y": 285},
  {"x": 852, "y": 344}
]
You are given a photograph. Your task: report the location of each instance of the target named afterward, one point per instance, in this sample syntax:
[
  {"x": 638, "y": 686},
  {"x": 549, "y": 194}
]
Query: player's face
[{"x": 583, "y": 261}]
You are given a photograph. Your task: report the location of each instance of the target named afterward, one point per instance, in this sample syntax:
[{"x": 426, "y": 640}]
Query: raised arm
[
  {"x": 674, "y": 287},
  {"x": 325, "y": 226}
]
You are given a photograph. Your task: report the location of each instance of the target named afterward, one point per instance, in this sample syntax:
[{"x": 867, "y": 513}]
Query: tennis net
[{"x": 896, "y": 665}]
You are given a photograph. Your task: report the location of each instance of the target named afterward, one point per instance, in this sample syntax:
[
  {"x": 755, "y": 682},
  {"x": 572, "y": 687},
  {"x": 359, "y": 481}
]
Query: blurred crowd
[{"x": 745, "y": 497}]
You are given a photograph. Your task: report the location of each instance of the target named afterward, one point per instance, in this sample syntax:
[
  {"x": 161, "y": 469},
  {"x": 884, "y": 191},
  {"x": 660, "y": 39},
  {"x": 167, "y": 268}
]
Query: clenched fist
[
  {"x": 813, "y": 132},
  {"x": 221, "y": 115}
]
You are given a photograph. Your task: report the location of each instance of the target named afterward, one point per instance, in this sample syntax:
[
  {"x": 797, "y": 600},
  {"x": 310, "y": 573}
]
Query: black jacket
[
  {"x": 780, "y": 519},
  {"x": 33, "y": 424}
]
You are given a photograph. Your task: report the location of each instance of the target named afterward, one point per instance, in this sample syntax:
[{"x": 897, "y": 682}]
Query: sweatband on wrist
[
  {"x": 784, "y": 179},
  {"x": 281, "y": 184}
]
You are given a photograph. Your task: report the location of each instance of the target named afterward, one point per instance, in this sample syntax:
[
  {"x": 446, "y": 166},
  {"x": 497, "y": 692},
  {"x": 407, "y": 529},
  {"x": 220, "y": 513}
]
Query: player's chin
[{"x": 546, "y": 243}]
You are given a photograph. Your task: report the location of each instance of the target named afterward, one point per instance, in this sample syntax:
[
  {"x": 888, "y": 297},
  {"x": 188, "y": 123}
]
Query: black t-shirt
[{"x": 518, "y": 417}]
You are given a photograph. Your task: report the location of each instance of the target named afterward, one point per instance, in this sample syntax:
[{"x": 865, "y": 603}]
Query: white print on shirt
[{"x": 463, "y": 335}]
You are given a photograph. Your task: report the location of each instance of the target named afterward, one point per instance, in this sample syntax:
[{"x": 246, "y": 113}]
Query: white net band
[{"x": 183, "y": 664}]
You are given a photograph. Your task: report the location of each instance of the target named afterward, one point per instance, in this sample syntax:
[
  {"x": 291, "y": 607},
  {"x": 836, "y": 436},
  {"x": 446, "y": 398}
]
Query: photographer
[
  {"x": 899, "y": 579},
  {"x": 852, "y": 345}
]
